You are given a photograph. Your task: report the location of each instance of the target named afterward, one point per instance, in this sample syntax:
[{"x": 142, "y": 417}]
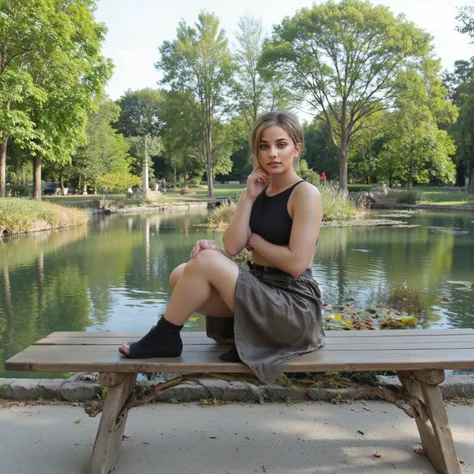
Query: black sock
[
  {"x": 231, "y": 355},
  {"x": 163, "y": 340}
]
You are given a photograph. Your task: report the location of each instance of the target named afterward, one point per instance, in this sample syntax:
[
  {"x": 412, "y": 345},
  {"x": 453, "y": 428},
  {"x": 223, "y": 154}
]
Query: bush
[
  {"x": 18, "y": 216},
  {"x": 222, "y": 216},
  {"x": 407, "y": 197},
  {"x": 336, "y": 203},
  {"x": 20, "y": 190}
]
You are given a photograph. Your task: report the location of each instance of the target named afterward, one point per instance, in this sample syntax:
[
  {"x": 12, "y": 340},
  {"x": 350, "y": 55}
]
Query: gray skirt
[{"x": 276, "y": 318}]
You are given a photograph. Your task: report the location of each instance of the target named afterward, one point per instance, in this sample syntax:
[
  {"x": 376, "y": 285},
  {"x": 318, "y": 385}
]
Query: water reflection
[{"x": 113, "y": 274}]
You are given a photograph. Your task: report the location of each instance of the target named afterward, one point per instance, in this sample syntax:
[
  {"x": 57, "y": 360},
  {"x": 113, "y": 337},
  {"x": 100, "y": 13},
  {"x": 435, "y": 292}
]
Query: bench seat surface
[{"x": 344, "y": 351}]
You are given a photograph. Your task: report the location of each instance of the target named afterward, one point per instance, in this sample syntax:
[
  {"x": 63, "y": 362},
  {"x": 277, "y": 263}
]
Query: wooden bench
[{"x": 418, "y": 356}]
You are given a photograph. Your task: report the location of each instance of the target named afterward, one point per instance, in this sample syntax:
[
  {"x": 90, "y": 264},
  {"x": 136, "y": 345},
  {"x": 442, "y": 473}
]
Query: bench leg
[
  {"x": 111, "y": 427},
  {"x": 432, "y": 419}
]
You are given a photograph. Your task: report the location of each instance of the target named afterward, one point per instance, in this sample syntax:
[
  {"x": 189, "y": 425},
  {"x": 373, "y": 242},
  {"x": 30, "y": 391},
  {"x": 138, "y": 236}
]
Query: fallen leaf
[
  {"x": 212, "y": 437},
  {"x": 461, "y": 461},
  {"x": 264, "y": 469},
  {"x": 125, "y": 437},
  {"x": 377, "y": 454},
  {"x": 361, "y": 432}
]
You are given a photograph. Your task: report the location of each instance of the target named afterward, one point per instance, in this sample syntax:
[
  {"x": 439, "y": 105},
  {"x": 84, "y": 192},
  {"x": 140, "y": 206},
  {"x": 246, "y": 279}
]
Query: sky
[{"x": 138, "y": 27}]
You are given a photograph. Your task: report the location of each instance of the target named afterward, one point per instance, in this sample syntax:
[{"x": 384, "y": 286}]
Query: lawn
[
  {"x": 444, "y": 196},
  {"x": 220, "y": 191}
]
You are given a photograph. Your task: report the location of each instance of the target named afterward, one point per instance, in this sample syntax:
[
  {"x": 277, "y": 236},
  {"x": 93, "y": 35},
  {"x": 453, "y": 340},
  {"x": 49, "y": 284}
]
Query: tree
[
  {"x": 422, "y": 150},
  {"x": 140, "y": 120},
  {"x": 343, "y": 59},
  {"x": 106, "y": 150},
  {"x": 51, "y": 71},
  {"x": 258, "y": 88},
  {"x": 198, "y": 65},
  {"x": 466, "y": 20},
  {"x": 319, "y": 152}
]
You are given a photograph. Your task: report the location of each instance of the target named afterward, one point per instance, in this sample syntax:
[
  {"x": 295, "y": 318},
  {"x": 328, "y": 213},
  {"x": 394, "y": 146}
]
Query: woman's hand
[
  {"x": 256, "y": 182},
  {"x": 203, "y": 245}
]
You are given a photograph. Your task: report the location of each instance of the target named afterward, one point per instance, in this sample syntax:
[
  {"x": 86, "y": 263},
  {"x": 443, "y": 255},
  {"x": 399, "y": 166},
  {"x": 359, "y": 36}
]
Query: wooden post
[
  {"x": 112, "y": 422},
  {"x": 432, "y": 421}
]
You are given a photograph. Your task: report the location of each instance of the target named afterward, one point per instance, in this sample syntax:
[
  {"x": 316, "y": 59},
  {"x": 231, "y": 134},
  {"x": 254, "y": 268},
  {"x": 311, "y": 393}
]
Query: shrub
[
  {"x": 20, "y": 190},
  {"x": 407, "y": 197},
  {"x": 336, "y": 203},
  {"x": 222, "y": 215}
]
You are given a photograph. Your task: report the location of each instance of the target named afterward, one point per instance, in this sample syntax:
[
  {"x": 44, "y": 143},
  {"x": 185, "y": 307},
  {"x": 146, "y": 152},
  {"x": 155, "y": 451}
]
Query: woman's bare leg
[
  {"x": 214, "y": 306},
  {"x": 209, "y": 270}
]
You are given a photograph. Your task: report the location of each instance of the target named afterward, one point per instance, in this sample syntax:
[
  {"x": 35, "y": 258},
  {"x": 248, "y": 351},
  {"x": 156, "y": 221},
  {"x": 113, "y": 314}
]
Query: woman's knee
[{"x": 176, "y": 274}]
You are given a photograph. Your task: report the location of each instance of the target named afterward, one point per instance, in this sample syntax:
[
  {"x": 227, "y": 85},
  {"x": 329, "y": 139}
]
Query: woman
[{"x": 276, "y": 305}]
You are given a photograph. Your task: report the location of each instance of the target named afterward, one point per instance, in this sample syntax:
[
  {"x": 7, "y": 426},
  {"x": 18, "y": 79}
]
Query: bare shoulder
[
  {"x": 306, "y": 192},
  {"x": 305, "y": 198}
]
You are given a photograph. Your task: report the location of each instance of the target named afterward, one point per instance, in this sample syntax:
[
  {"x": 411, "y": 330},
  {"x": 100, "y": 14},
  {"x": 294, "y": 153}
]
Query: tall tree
[
  {"x": 51, "y": 71},
  {"x": 199, "y": 65},
  {"x": 258, "y": 88},
  {"x": 343, "y": 58},
  {"x": 422, "y": 148}
]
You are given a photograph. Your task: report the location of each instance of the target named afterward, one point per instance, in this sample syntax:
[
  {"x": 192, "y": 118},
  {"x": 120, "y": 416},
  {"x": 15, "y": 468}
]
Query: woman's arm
[
  {"x": 237, "y": 233},
  {"x": 307, "y": 212}
]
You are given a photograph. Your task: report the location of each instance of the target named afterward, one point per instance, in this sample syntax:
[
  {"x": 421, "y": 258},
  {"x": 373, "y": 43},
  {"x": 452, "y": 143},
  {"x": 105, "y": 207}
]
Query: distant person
[
  {"x": 323, "y": 177},
  {"x": 466, "y": 183},
  {"x": 276, "y": 305}
]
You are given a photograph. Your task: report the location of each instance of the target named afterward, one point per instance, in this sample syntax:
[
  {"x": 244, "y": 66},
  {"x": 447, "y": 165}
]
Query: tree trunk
[
  {"x": 343, "y": 167},
  {"x": 410, "y": 179},
  {"x": 37, "y": 177},
  {"x": 210, "y": 183},
  {"x": 3, "y": 164},
  {"x": 471, "y": 182}
]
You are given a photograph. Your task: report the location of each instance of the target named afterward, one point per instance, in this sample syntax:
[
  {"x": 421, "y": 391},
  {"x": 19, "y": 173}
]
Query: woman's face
[{"x": 277, "y": 151}]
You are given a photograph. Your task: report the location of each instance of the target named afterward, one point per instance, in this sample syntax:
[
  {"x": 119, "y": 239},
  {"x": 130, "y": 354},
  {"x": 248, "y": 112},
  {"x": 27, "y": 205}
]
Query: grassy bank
[{"x": 18, "y": 216}]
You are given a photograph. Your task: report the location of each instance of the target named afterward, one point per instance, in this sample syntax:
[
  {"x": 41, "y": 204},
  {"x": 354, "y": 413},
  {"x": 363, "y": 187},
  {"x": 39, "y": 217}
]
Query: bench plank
[
  {"x": 349, "y": 344},
  {"x": 331, "y": 345},
  {"x": 329, "y": 334},
  {"x": 107, "y": 359}
]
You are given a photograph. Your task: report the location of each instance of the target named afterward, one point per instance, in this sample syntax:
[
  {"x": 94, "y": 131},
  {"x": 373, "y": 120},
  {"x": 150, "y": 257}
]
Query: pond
[{"x": 112, "y": 275}]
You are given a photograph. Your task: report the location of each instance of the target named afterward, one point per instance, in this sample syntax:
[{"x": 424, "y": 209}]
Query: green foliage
[
  {"x": 336, "y": 203},
  {"x": 466, "y": 20},
  {"x": 198, "y": 66},
  {"x": 20, "y": 190},
  {"x": 18, "y": 216},
  {"x": 407, "y": 197},
  {"x": 319, "y": 50},
  {"x": 308, "y": 174},
  {"x": 51, "y": 71},
  {"x": 417, "y": 149},
  {"x": 106, "y": 150},
  {"x": 222, "y": 216},
  {"x": 118, "y": 182}
]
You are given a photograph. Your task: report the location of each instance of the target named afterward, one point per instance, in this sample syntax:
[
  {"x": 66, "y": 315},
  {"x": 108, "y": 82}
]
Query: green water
[{"x": 113, "y": 273}]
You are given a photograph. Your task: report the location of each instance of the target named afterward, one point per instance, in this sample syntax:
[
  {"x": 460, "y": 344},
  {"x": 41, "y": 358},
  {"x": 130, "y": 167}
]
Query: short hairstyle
[{"x": 286, "y": 120}]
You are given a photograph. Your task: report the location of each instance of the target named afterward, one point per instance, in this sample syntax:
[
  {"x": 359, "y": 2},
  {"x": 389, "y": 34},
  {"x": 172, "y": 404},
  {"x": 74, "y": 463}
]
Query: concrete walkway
[{"x": 274, "y": 438}]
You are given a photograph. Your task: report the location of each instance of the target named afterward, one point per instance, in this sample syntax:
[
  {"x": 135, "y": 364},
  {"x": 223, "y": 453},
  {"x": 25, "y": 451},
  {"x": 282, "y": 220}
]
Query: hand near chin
[
  {"x": 256, "y": 182},
  {"x": 203, "y": 245}
]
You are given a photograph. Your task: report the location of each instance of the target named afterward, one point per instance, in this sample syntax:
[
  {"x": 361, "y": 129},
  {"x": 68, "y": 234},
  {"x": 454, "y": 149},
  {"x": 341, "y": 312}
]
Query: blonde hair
[{"x": 286, "y": 120}]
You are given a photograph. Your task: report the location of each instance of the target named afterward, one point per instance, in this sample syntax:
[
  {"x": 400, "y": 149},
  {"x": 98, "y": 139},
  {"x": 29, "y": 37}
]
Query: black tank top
[{"x": 269, "y": 217}]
